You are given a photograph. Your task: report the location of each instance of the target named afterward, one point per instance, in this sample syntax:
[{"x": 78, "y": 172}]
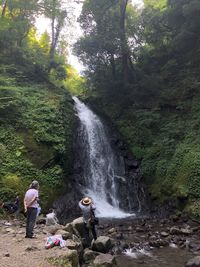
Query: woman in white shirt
[{"x": 31, "y": 207}]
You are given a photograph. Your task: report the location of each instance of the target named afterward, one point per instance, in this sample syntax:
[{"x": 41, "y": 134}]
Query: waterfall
[{"x": 99, "y": 164}]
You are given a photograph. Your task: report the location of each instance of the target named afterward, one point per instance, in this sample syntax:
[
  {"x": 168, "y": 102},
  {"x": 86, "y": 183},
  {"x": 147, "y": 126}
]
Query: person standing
[
  {"x": 87, "y": 207},
  {"x": 31, "y": 207}
]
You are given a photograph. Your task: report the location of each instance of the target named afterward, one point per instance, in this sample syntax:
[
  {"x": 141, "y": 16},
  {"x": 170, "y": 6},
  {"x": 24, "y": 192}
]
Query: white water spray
[{"x": 98, "y": 164}]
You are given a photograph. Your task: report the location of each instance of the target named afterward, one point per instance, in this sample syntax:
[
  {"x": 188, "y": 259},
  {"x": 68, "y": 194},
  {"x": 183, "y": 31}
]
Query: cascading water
[{"x": 99, "y": 164}]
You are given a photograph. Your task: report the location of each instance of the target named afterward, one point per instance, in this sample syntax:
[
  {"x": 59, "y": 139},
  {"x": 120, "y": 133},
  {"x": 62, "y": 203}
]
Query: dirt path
[{"x": 17, "y": 251}]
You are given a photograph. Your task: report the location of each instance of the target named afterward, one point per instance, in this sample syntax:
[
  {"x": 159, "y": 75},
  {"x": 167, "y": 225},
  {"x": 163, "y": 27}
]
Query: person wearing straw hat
[
  {"x": 31, "y": 207},
  {"x": 87, "y": 207}
]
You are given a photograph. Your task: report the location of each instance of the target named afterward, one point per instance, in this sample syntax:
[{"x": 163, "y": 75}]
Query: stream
[{"x": 139, "y": 241}]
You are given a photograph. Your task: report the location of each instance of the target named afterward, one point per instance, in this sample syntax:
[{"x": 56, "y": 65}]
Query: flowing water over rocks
[
  {"x": 153, "y": 242},
  {"x": 104, "y": 169},
  {"x": 110, "y": 178},
  {"x": 129, "y": 242}
]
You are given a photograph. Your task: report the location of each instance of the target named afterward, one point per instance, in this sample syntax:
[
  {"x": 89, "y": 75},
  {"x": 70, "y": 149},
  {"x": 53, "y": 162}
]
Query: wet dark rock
[
  {"x": 131, "y": 164},
  {"x": 67, "y": 206},
  {"x": 102, "y": 244},
  {"x": 152, "y": 237},
  {"x": 194, "y": 246},
  {"x": 140, "y": 230},
  {"x": 159, "y": 243},
  {"x": 164, "y": 234},
  {"x": 177, "y": 231},
  {"x": 174, "y": 218},
  {"x": 186, "y": 231},
  {"x": 119, "y": 236},
  {"x": 195, "y": 262},
  {"x": 196, "y": 229}
]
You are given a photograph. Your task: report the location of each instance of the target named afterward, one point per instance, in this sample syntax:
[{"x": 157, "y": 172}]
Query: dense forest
[
  {"x": 143, "y": 69},
  {"x": 141, "y": 72}
]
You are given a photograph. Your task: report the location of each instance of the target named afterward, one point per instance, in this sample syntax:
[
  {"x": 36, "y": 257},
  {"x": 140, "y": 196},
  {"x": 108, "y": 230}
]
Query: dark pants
[
  {"x": 31, "y": 219},
  {"x": 87, "y": 232}
]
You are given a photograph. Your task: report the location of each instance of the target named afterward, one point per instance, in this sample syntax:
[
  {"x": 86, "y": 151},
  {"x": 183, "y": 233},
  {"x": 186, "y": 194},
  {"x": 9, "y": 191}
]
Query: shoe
[{"x": 33, "y": 236}]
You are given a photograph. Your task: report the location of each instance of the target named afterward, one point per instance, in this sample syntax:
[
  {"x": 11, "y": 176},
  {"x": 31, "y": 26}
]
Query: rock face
[
  {"x": 78, "y": 226},
  {"x": 195, "y": 262},
  {"x": 103, "y": 244},
  {"x": 128, "y": 178}
]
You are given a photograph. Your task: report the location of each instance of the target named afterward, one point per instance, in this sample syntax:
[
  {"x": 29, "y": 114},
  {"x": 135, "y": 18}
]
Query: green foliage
[
  {"x": 74, "y": 83},
  {"x": 36, "y": 143},
  {"x": 158, "y": 111},
  {"x": 7, "y": 194}
]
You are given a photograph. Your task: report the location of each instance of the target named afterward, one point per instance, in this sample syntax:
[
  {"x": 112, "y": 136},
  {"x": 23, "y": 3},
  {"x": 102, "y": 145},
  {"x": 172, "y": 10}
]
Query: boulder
[
  {"x": 52, "y": 229},
  {"x": 69, "y": 228},
  {"x": 112, "y": 230},
  {"x": 164, "y": 234},
  {"x": 139, "y": 230},
  {"x": 102, "y": 244},
  {"x": 195, "y": 262},
  {"x": 69, "y": 258},
  {"x": 71, "y": 244},
  {"x": 104, "y": 260},
  {"x": 186, "y": 231},
  {"x": 78, "y": 226},
  {"x": 89, "y": 255},
  {"x": 183, "y": 231}
]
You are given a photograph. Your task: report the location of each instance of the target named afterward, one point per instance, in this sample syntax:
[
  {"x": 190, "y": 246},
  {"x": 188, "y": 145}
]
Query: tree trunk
[
  {"x": 52, "y": 47},
  {"x": 4, "y": 5},
  {"x": 124, "y": 46}
]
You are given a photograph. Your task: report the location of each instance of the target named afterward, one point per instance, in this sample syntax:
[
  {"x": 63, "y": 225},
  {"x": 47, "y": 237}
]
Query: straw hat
[{"x": 86, "y": 201}]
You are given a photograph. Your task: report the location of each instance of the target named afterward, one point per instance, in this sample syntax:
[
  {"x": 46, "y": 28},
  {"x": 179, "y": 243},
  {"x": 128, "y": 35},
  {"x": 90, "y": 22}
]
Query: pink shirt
[{"x": 29, "y": 196}]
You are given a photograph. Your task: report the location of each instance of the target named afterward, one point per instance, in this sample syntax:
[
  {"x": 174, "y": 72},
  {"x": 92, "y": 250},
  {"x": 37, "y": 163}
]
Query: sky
[{"x": 42, "y": 25}]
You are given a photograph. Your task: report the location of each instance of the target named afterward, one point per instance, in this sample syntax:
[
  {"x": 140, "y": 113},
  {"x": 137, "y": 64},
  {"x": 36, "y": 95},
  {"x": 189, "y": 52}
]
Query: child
[{"x": 51, "y": 218}]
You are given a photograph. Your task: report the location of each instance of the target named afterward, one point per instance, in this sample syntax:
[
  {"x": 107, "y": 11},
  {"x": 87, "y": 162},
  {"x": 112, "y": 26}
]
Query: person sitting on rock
[
  {"x": 10, "y": 207},
  {"x": 51, "y": 218},
  {"x": 87, "y": 207}
]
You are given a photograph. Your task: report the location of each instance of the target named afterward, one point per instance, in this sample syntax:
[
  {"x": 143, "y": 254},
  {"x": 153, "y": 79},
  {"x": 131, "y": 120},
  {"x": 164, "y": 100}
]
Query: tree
[
  {"x": 53, "y": 9},
  {"x": 104, "y": 47},
  {"x": 124, "y": 46}
]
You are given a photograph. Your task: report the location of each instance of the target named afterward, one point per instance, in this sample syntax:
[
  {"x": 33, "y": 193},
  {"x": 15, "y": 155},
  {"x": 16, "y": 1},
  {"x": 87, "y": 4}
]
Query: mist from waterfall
[{"x": 98, "y": 162}]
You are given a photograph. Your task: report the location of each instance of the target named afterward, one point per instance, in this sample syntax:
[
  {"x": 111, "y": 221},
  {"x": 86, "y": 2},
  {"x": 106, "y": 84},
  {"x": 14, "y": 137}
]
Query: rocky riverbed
[{"x": 129, "y": 242}]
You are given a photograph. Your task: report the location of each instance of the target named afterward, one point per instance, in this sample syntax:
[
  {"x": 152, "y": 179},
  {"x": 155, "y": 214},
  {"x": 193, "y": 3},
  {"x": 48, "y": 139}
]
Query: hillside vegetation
[
  {"x": 36, "y": 113},
  {"x": 35, "y": 138},
  {"x": 143, "y": 68}
]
